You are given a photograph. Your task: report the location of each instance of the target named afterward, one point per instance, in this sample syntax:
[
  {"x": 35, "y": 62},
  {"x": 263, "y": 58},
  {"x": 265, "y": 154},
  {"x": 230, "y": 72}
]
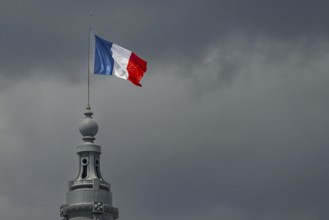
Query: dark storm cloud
[
  {"x": 254, "y": 149},
  {"x": 245, "y": 152},
  {"x": 45, "y": 35}
]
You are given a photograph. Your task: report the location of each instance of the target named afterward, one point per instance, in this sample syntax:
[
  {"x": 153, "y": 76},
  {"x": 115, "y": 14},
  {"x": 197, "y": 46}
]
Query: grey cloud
[
  {"x": 253, "y": 150},
  {"x": 49, "y": 35},
  {"x": 252, "y": 145}
]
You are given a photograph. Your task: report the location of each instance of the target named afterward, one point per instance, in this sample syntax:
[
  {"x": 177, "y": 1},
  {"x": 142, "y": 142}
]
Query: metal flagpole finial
[{"x": 90, "y": 19}]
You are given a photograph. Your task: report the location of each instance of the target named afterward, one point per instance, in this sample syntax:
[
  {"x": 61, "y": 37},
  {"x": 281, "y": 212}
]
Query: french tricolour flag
[{"x": 111, "y": 59}]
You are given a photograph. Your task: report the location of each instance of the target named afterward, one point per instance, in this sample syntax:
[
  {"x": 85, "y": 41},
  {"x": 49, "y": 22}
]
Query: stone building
[{"x": 89, "y": 196}]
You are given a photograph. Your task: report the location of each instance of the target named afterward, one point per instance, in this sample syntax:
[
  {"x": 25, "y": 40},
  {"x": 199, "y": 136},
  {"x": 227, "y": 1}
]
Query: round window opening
[
  {"x": 97, "y": 162},
  {"x": 84, "y": 161}
]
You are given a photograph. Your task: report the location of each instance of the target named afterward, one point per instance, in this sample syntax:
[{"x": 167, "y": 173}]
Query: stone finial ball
[{"x": 88, "y": 127}]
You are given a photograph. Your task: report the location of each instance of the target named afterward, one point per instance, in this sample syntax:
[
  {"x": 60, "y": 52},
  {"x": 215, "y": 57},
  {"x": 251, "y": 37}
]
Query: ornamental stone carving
[
  {"x": 98, "y": 207},
  {"x": 62, "y": 211}
]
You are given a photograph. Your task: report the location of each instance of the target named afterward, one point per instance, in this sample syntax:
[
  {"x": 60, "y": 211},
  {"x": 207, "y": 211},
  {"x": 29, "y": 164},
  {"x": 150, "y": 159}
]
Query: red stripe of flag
[{"x": 136, "y": 69}]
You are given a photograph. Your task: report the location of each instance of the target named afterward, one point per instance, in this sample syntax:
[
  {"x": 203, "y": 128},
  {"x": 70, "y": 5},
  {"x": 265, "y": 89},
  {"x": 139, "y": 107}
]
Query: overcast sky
[{"x": 231, "y": 123}]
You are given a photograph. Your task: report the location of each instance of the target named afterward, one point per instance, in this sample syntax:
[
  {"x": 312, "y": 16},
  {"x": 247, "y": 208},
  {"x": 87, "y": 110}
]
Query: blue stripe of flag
[{"x": 103, "y": 57}]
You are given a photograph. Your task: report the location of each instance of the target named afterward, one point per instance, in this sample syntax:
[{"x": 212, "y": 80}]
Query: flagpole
[{"x": 88, "y": 97}]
